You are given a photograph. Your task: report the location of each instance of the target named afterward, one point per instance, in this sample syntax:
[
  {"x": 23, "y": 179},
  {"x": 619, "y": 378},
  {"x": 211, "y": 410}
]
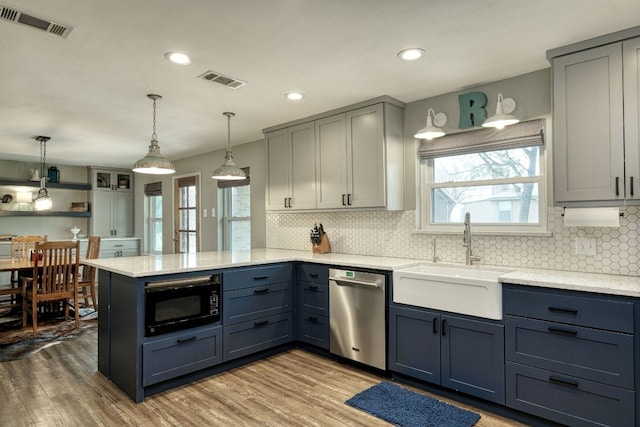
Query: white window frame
[
  {"x": 227, "y": 219},
  {"x": 427, "y": 185},
  {"x": 151, "y": 220}
]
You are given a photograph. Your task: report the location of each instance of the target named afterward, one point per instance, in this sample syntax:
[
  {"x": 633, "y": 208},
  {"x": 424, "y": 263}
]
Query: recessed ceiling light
[
  {"x": 294, "y": 96},
  {"x": 410, "y": 54},
  {"x": 178, "y": 58}
]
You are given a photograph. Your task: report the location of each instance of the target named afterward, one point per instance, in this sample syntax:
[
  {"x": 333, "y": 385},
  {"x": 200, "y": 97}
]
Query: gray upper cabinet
[
  {"x": 291, "y": 174},
  {"x": 595, "y": 111},
  {"x": 357, "y": 160}
]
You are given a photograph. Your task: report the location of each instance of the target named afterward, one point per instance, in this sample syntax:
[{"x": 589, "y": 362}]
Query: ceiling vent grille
[
  {"x": 214, "y": 76},
  {"x": 14, "y": 15}
]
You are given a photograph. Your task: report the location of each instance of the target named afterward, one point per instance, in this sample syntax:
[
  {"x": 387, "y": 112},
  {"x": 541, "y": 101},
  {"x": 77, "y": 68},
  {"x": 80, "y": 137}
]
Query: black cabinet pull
[
  {"x": 285, "y": 202},
  {"x": 617, "y": 186},
  {"x": 343, "y": 202},
  {"x": 444, "y": 327},
  {"x": 290, "y": 201},
  {"x": 184, "y": 340},
  {"x": 263, "y": 323},
  {"x": 562, "y": 381},
  {"x": 349, "y": 199},
  {"x": 631, "y": 185},
  {"x": 312, "y": 319},
  {"x": 261, "y": 291},
  {"x": 260, "y": 277},
  {"x": 435, "y": 325},
  {"x": 563, "y": 310},
  {"x": 314, "y": 275},
  {"x": 312, "y": 287},
  {"x": 562, "y": 331}
]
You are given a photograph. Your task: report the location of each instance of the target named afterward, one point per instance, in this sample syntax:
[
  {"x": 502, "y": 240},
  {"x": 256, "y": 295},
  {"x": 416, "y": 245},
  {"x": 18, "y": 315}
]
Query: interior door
[{"x": 186, "y": 219}]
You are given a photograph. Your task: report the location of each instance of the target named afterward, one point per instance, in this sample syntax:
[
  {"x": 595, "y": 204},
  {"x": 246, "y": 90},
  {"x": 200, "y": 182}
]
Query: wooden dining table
[{"x": 8, "y": 265}]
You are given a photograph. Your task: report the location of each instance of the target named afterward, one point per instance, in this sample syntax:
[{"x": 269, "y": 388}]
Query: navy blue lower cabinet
[
  {"x": 172, "y": 355},
  {"x": 251, "y": 303},
  {"x": 459, "y": 352},
  {"x": 313, "y": 298},
  {"x": 313, "y": 329},
  {"x": 256, "y": 335},
  {"x": 568, "y": 400}
]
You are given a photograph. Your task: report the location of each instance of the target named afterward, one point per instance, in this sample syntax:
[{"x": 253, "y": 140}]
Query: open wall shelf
[
  {"x": 36, "y": 184},
  {"x": 46, "y": 213}
]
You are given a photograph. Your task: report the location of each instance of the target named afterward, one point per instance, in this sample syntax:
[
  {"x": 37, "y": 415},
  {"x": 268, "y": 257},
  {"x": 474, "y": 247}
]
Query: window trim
[
  {"x": 425, "y": 211},
  {"x": 227, "y": 219}
]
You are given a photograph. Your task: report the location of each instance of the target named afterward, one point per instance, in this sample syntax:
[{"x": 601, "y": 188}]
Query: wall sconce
[
  {"x": 430, "y": 131},
  {"x": 503, "y": 117}
]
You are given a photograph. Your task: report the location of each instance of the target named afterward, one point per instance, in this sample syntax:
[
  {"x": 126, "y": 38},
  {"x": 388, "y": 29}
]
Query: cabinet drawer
[
  {"x": 568, "y": 400},
  {"x": 260, "y": 334},
  {"x": 250, "y": 303},
  {"x": 313, "y": 273},
  {"x": 592, "y": 354},
  {"x": 118, "y": 244},
  {"x": 314, "y": 298},
  {"x": 167, "y": 358},
  {"x": 591, "y": 311},
  {"x": 314, "y": 329},
  {"x": 249, "y": 277}
]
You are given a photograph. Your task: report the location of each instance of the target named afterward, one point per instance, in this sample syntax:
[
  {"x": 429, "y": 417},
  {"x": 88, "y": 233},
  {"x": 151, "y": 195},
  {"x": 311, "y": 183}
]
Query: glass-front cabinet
[
  {"x": 111, "y": 180},
  {"x": 112, "y": 202}
]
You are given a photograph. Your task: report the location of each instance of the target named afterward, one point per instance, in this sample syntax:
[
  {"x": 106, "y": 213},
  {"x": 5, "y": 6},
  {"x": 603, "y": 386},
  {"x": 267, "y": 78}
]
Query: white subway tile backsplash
[{"x": 390, "y": 233}]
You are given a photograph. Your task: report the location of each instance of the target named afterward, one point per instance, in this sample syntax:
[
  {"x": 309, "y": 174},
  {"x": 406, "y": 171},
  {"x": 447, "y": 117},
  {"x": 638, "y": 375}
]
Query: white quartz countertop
[{"x": 155, "y": 265}]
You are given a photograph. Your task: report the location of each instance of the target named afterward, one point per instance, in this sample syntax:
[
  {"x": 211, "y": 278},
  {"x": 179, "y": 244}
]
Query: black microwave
[{"x": 173, "y": 305}]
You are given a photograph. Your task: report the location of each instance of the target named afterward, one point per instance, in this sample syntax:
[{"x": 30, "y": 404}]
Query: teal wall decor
[{"x": 472, "y": 112}]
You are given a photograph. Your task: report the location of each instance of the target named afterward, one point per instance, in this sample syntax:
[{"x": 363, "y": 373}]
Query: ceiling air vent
[
  {"x": 14, "y": 15},
  {"x": 214, "y": 76}
]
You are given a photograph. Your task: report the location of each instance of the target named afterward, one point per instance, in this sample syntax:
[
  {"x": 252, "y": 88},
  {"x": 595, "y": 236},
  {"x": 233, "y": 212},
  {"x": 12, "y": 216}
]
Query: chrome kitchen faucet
[{"x": 466, "y": 240}]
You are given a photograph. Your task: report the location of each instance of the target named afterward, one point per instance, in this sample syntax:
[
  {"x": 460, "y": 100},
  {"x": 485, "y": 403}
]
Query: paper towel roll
[{"x": 592, "y": 217}]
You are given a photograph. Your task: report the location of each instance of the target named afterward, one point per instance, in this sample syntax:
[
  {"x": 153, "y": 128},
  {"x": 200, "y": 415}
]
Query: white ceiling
[{"x": 88, "y": 91}]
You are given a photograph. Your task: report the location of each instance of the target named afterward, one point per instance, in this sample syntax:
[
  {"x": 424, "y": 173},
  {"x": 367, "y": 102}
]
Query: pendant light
[
  {"x": 228, "y": 171},
  {"x": 503, "y": 116},
  {"x": 153, "y": 163},
  {"x": 430, "y": 131},
  {"x": 43, "y": 201}
]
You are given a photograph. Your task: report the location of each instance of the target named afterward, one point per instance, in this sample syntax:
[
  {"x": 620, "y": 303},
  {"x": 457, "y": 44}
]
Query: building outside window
[
  {"x": 235, "y": 220},
  {"x": 153, "y": 216}
]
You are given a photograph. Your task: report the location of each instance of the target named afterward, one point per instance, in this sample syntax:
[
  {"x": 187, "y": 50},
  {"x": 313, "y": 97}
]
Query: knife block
[{"x": 324, "y": 247}]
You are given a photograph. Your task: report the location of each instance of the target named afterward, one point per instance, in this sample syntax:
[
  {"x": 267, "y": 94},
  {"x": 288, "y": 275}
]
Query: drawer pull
[
  {"x": 260, "y": 277},
  {"x": 563, "y": 310},
  {"x": 261, "y": 291},
  {"x": 435, "y": 325},
  {"x": 314, "y": 275},
  {"x": 444, "y": 327},
  {"x": 561, "y": 331},
  {"x": 263, "y": 323},
  {"x": 312, "y": 287},
  {"x": 562, "y": 381},
  {"x": 184, "y": 340},
  {"x": 313, "y": 319}
]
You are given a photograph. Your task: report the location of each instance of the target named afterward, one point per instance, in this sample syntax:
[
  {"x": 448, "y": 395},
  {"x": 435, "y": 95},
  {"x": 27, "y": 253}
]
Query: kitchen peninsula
[{"x": 560, "y": 332}]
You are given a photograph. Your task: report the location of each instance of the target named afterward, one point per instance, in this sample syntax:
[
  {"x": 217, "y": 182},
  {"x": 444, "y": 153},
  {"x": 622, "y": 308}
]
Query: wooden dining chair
[
  {"x": 54, "y": 278},
  {"x": 87, "y": 280},
  {"x": 21, "y": 249}
]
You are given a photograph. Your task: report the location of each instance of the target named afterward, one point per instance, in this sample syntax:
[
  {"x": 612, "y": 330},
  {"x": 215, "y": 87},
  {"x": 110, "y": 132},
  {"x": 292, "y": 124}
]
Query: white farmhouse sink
[{"x": 464, "y": 290}]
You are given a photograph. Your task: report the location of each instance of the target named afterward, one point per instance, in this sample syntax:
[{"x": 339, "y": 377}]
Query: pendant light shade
[
  {"x": 430, "y": 131},
  {"x": 43, "y": 201},
  {"x": 228, "y": 170},
  {"x": 503, "y": 116},
  {"x": 153, "y": 163}
]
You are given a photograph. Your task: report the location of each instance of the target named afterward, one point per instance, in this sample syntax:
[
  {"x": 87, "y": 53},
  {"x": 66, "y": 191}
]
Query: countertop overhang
[{"x": 156, "y": 265}]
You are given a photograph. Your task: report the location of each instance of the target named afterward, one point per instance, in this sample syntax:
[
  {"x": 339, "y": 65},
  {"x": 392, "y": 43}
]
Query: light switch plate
[
  {"x": 585, "y": 246},
  {"x": 204, "y": 212}
]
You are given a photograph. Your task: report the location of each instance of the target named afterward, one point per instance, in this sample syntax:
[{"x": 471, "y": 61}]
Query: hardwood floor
[{"x": 60, "y": 386}]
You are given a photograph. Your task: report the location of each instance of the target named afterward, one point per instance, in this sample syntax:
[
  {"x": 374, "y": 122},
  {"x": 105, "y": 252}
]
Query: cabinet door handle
[
  {"x": 631, "y": 185},
  {"x": 562, "y": 331},
  {"x": 312, "y": 287},
  {"x": 285, "y": 202},
  {"x": 314, "y": 275},
  {"x": 261, "y": 291},
  {"x": 290, "y": 202},
  {"x": 617, "y": 186},
  {"x": 435, "y": 325},
  {"x": 563, "y": 381},
  {"x": 312, "y": 319},
  {"x": 349, "y": 199},
  {"x": 343, "y": 202},
  {"x": 260, "y": 277},
  {"x": 184, "y": 340},
  {"x": 258, "y": 324},
  {"x": 444, "y": 327},
  {"x": 564, "y": 310}
]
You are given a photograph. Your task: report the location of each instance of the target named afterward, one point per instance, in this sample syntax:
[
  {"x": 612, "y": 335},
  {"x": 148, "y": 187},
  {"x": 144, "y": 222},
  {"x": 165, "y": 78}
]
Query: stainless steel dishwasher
[{"x": 357, "y": 316}]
